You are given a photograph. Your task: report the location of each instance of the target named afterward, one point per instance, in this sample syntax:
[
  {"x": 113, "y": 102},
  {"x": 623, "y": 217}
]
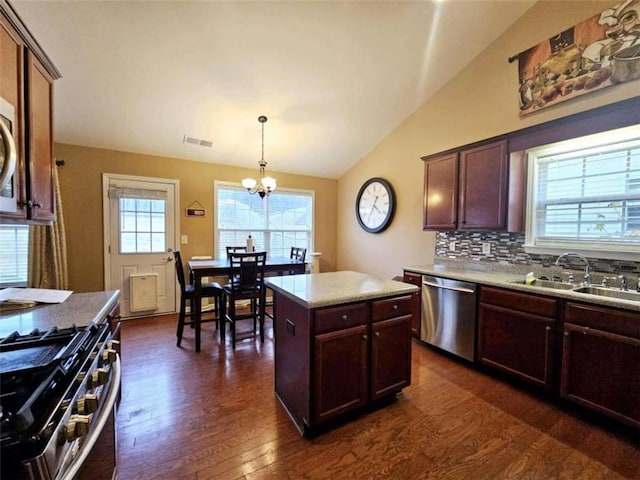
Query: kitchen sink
[
  {"x": 550, "y": 284},
  {"x": 609, "y": 292}
]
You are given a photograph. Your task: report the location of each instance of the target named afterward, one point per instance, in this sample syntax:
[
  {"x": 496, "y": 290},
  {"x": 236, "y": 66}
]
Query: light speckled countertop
[
  {"x": 336, "y": 288},
  {"x": 514, "y": 281},
  {"x": 79, "y": 309}
]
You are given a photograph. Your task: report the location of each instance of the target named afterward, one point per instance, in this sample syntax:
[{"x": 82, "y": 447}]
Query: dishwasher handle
[{"x": 445, "y": 287}]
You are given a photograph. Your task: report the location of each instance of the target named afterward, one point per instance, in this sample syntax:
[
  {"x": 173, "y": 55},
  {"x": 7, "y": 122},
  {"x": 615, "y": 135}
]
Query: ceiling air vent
[{"x": 197, "y": 141}]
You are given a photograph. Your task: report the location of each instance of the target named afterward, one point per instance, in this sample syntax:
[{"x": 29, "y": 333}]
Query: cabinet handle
[{"x": 343, "y": 318}]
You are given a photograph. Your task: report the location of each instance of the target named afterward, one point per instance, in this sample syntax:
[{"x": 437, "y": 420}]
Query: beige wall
[
  {"x": 81, "y": 189},
  {"x": 481, "y": 102}
]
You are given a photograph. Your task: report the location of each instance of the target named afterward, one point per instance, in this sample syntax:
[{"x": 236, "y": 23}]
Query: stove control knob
[
  {"x": 109, "y": 356},
  {"x": 87, "y": 404},
  {"x": 100, "y": 376},
  {"x": 77, "y": 427},
  {"x": 115, "y": 344}
]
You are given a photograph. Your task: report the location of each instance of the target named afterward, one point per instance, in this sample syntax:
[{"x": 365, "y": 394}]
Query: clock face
[{"x": 375, "y": 205}]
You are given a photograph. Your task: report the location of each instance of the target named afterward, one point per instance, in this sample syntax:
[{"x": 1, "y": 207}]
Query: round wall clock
[{"x": 375, "y": 205}]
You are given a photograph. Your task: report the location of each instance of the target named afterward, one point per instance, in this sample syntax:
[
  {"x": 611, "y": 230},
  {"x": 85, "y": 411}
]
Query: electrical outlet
[
  {"x": 452, "y": 246},
  {"x": 184, "y": 239},
  {"x": 486, "y": 248}
]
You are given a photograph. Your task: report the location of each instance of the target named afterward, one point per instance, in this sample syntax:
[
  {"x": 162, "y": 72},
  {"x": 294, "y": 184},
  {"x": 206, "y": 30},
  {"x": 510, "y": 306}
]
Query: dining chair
[
  {"x": 231, "y": 250},
  {"x": 246, "y": 282},
  {"x": 187, "y": 293},
  {"x": 297, "y": 253}
]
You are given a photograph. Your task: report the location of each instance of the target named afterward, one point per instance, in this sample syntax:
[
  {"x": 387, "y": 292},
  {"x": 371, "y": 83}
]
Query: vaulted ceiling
[{"x": 333, "y": 78}]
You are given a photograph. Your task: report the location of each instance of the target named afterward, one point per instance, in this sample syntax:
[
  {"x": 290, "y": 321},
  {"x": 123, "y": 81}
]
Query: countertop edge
[
  {"x": 508, "y": 281},
  {"x": 389, "y": 288}
]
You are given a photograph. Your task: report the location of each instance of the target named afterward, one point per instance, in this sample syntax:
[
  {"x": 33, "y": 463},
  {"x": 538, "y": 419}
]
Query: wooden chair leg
[{"x": 181, "y": 316}]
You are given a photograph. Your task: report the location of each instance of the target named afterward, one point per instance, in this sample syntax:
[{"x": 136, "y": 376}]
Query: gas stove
[{"x": 55, "y": 387}]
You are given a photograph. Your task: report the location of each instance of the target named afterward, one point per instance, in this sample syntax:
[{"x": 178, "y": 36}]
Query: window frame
[
  {"x": 615, "y": 250},
  {"x": 251, "y": 230}
]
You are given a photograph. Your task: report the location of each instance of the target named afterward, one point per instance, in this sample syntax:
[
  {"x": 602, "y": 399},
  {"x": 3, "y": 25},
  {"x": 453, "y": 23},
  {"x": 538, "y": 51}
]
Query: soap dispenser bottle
[{"x": 249, "y": 244}]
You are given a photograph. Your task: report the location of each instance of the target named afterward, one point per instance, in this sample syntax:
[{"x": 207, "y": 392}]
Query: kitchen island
[{"x": 342, "y": 342}]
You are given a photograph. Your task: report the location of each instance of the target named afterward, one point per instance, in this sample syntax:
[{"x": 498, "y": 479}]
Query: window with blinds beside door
[{"x": 14, "y": 255}]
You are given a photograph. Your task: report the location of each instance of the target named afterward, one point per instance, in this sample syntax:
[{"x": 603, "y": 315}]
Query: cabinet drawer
[
  {"x": 413, "y": 278},
  {"x": 392, "y": 307},
  {"x": 543, "y": 306},
  {"x": 337, "y": 318},
  {"x": 602, "y": 318}
]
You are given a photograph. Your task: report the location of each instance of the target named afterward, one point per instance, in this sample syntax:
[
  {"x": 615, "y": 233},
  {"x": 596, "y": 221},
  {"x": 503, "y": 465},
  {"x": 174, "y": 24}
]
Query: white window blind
[
  {"x": 14, "y": 255},
  {"x": 282, "y": 220},
  {"x": 586, "y": 194}
]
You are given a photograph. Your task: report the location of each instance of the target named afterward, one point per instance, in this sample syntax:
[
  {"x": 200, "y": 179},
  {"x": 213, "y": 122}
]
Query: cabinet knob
[
  {"x": 394, "y": 307},
  {"x": 364, "y": 337},
  {"x": 547, "y": 328},
  {"x": 567, "y": 334},
  {"x": 377, "y": 334},
  {"x": 343, "y": 318}
]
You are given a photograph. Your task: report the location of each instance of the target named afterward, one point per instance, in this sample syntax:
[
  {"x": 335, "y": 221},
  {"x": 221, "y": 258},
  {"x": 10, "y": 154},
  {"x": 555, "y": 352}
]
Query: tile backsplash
[{"x": 508, "y": 248}]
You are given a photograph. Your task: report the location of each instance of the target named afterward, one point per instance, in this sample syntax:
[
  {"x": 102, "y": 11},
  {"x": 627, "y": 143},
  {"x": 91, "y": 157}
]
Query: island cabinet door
[
  {"x": 340, "y": 372},
  {"x": 390, "y": 356}
]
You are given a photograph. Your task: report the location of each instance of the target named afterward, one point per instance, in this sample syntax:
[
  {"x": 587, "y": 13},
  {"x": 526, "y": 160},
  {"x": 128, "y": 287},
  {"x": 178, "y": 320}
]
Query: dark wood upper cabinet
[
  {"x": 483, "y": 187},
  {"x": 440, "y": 192},
  {"x": 469, "y": 189},
  {"x": 26, "y": 82},
  {"x": 40, "y": 187}
]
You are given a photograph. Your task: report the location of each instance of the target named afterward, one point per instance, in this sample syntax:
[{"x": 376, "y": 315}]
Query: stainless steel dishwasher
[{"x": 449, "y": 315}]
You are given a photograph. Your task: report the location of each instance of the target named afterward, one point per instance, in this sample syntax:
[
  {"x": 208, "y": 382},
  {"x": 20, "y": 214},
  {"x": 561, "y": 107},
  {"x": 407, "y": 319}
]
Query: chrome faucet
[{"x": 587, "y": 275}]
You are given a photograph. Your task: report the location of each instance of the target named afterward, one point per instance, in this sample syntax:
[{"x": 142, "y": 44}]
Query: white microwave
[{"x": 8, "y": 158}]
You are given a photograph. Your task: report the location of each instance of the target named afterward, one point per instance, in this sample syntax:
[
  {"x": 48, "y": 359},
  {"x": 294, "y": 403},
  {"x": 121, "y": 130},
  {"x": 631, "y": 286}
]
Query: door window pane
[{"x": 142, "y": 225}]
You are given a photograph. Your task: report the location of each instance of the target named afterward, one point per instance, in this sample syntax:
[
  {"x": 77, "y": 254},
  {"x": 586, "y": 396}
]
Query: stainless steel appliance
[
  {"x": 57, "y": 402},
  {"x": 449, "y": 315},
  {"x": 8, "y": 158}
]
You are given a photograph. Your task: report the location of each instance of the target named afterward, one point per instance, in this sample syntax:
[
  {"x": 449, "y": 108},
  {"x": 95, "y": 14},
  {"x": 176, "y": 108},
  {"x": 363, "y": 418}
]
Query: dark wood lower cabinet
[
  {"x": 516, "y": 335},
  {"x": 601, "y": 361},
  {"x": 341, "y": 369},
  {"x": 390, "y": 356},
  {"x": 333, "y": 360}
]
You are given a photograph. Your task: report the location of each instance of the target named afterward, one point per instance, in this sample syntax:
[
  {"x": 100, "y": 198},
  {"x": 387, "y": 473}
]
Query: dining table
[{"x": 199, "y": 269}]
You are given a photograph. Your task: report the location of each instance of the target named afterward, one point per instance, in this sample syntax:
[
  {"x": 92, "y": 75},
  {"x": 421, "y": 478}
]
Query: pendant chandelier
[{"x": 266, "y": 184}]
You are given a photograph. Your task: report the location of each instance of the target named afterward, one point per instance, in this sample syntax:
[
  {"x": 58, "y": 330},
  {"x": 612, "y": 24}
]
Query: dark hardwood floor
[{"x": 213, "y": 415}]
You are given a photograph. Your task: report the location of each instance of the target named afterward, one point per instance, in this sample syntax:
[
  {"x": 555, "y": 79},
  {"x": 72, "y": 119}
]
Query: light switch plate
[
  {"x": 486, "y": 248},
  {"x": 452, "y": 246},
  {"x": 184, "y": 239}
]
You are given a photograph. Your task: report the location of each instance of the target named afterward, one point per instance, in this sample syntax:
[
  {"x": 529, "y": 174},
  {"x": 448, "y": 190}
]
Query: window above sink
[{"x": 584, "y": 195}]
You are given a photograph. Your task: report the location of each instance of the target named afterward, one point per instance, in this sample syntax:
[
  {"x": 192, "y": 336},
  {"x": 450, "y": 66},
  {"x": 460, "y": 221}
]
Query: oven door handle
[
  {"x": 10, "y": 157},
  {"x": 92, "y": 437}
]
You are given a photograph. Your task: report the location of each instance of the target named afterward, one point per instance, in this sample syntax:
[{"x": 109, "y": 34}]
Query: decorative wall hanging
[
  {"x": 192, "y": 211},
  {"x": 597, "y": 53}
]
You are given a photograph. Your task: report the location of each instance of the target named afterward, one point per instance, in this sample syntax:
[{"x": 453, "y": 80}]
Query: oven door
[
  {"x": 97, "y": 455},
  {"x": 8, "y": 158}
]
